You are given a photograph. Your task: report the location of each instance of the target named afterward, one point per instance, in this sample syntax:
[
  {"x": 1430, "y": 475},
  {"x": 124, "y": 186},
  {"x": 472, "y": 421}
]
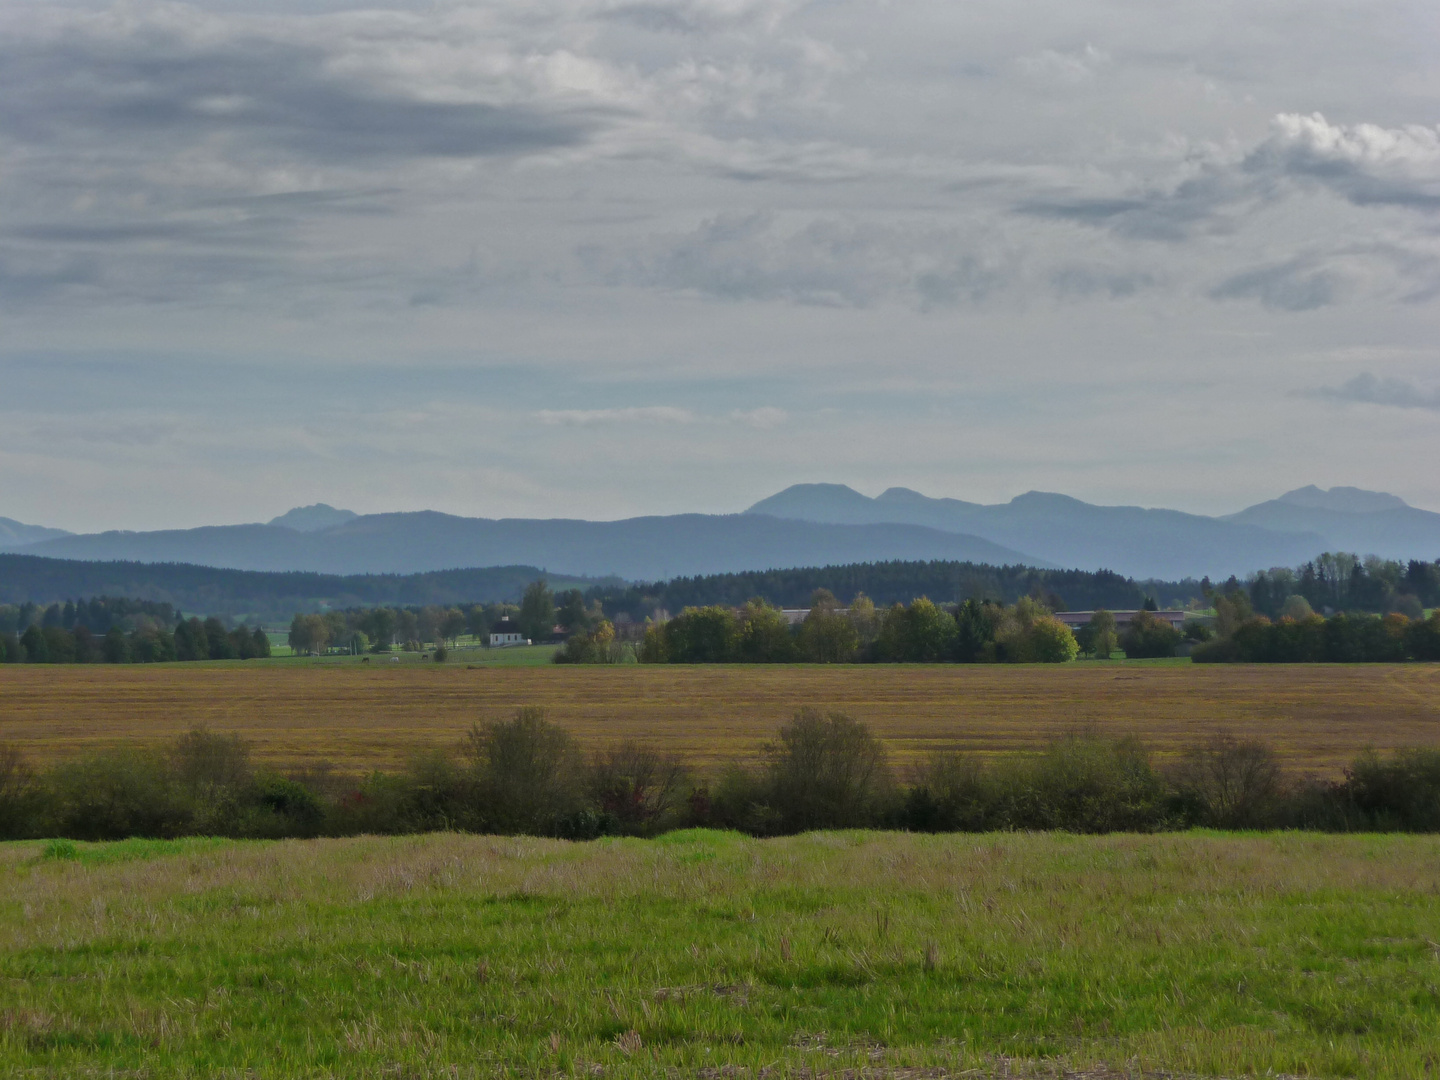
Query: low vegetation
[
  {"x": 822, "y": 770},
  {"x": 714, "y": 955}
]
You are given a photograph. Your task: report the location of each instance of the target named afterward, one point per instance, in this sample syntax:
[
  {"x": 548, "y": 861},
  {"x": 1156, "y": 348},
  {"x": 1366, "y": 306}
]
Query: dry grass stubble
[{"x": 373, "y": 716}]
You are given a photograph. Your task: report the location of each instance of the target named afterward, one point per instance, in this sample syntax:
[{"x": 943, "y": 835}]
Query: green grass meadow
[{"x": 711, "y": 954}]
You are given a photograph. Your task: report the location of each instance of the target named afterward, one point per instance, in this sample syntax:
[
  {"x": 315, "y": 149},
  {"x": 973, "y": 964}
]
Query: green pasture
[{"x": 709, "y": 954}]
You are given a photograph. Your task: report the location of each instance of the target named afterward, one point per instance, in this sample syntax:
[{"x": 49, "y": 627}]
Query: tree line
[
  {"x": 918, "y": 632},
  {"x": 97, "y": 615},
  {"x": 887, "y": 583},
  {"x": 1342, "y": 582},
  {"x": 189, "y": 639},
  {"x": 118, "y": 630},
  {"x": 378, "y": 630},
  {"x": 823, "y": 769},
  {"x": 1341, "y": 639}
]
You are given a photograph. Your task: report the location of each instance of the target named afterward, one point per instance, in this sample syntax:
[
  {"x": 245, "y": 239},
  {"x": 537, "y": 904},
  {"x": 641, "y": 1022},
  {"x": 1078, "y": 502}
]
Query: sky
[{"x": 600, "y": 258}]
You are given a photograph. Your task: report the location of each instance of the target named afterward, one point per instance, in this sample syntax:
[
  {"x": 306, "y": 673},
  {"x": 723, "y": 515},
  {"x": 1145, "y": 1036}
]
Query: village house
[{"x": 505, "y": 633}]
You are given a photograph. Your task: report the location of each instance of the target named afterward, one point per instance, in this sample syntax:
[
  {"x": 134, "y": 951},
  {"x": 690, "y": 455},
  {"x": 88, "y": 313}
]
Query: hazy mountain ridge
[
  {"x": 650, "y": 548},
  {"x": 1132, "y": 540},
  {"x": 16, "y": 534},
  {"x": 272, "y": 596},
  {"x": 804, "y": 525},
  {"x": 1347, "y": 500},
  {"x": 314, "y": 518},
  {"x": 1350, "y": 519}
]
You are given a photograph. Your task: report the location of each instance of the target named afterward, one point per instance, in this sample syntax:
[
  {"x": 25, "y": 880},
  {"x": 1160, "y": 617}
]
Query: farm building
[
  {"x": 505, "y": 633},
  {"x": 796, "y": 616},
  {"x": 1077, "y": 619}
]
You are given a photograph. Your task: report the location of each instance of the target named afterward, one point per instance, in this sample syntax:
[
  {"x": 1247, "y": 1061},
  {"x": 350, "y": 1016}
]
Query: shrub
[
  {"x": 115, "y": 649},
  {"x": 1296, "y": 607},
  {"x": 918, "y": 634},
  {"x": 707, "y": 635},
  {"x": 1409, "y": 606},
  {"x": 974, "y": 631},
  {"x": 1197, "y": 631},
  {"x": 1015, "y": 641},
  {"x": 950, "y": 793},
  {"x": 639, "y": 787},
  {"x": 654, "y": 646},
  {"x": 19, "y": 802},
  {"x": 114, "y": 795},
  {"x": 1422, "y": 639},
  {"x": 1086, "y": 783},
  {"x": 826, "y": 770},
  {"x": 152, "y": 646},
  {"x": 1148, "y": 636},
  {"x": 1051, "y": 641},
  {"x": 34, "y": 646},
  {"x": 596, "y": 647},
  {"x": 59, "y": 645},
  {"x": 525, "y": 774},
  {"x": 1219, "y": 651},
  {"x": 826, "y": 636},
  {"x": 204, "y": 763},
  {"x": 1402, "y": 793},
  {"x": 1231, "y": 784},
  {"x": 764, "y": 635},
  {"x": 740, "y": 799}
]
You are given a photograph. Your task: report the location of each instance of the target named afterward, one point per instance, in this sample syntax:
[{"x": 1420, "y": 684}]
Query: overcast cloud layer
[{"x": 594, "y": 258}]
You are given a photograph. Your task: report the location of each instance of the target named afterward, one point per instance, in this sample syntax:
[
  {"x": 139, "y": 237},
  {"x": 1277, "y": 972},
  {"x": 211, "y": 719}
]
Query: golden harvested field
[{"x": 360, "y": 717}]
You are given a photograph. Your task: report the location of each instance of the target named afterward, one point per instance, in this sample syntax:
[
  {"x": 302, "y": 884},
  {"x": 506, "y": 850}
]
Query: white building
[{"x": 505, "y": 633}]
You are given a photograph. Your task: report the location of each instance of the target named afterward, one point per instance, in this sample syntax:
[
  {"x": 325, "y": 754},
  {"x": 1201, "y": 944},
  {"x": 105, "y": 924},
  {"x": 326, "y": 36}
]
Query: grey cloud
[
  {"x": 269, "y": 92},
  {"x": 1369, "y": 390},
  {"x": 1405, "y": 272},
  {"x": 1364, "y": 163},
  {"x": 824, "y": 262},
  {"x": 25, "y": 277},
  {"x": 1295, "y": 285},
  {"x": 691, "y": 16},
  {"x": 853, "y": 263},
  {"x": 1083, "y": 281}
]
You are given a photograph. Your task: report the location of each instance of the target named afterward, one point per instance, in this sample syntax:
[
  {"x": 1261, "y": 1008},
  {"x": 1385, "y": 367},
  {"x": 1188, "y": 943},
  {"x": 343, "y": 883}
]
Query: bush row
[
  {"x": 1342, "y": 638},
  {"x": 918, "y": 632},
  {"x": 822, "y": 770}
]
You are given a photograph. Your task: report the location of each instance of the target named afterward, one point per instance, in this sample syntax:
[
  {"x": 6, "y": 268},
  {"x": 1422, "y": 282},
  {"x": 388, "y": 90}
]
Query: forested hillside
[
  {"x": 258, "y": 595},
  {"x": 900, "y": 582}
]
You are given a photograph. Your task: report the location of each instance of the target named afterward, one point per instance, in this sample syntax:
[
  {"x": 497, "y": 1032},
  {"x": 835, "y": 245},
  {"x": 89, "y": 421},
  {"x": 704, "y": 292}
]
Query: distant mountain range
[
  {"x": 267, "y": 597},
  {"x": 648, "y": 548},
  {"x": 1145, "y": 543},
  {"x": 804, "y": 525}
]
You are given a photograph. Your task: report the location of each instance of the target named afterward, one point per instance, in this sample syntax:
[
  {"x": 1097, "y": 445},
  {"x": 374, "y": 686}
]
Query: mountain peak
[
  {"x": 15, "y": 534},
  {"x": 315, "y": 518},
  {"x": 811, "y": 502},
  {"x": 1348, "y": 500}
]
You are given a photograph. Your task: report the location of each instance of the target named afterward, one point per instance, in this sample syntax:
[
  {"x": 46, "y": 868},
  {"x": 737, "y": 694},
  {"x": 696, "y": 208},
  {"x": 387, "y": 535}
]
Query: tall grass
[{"x": 706, "y": 954}]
